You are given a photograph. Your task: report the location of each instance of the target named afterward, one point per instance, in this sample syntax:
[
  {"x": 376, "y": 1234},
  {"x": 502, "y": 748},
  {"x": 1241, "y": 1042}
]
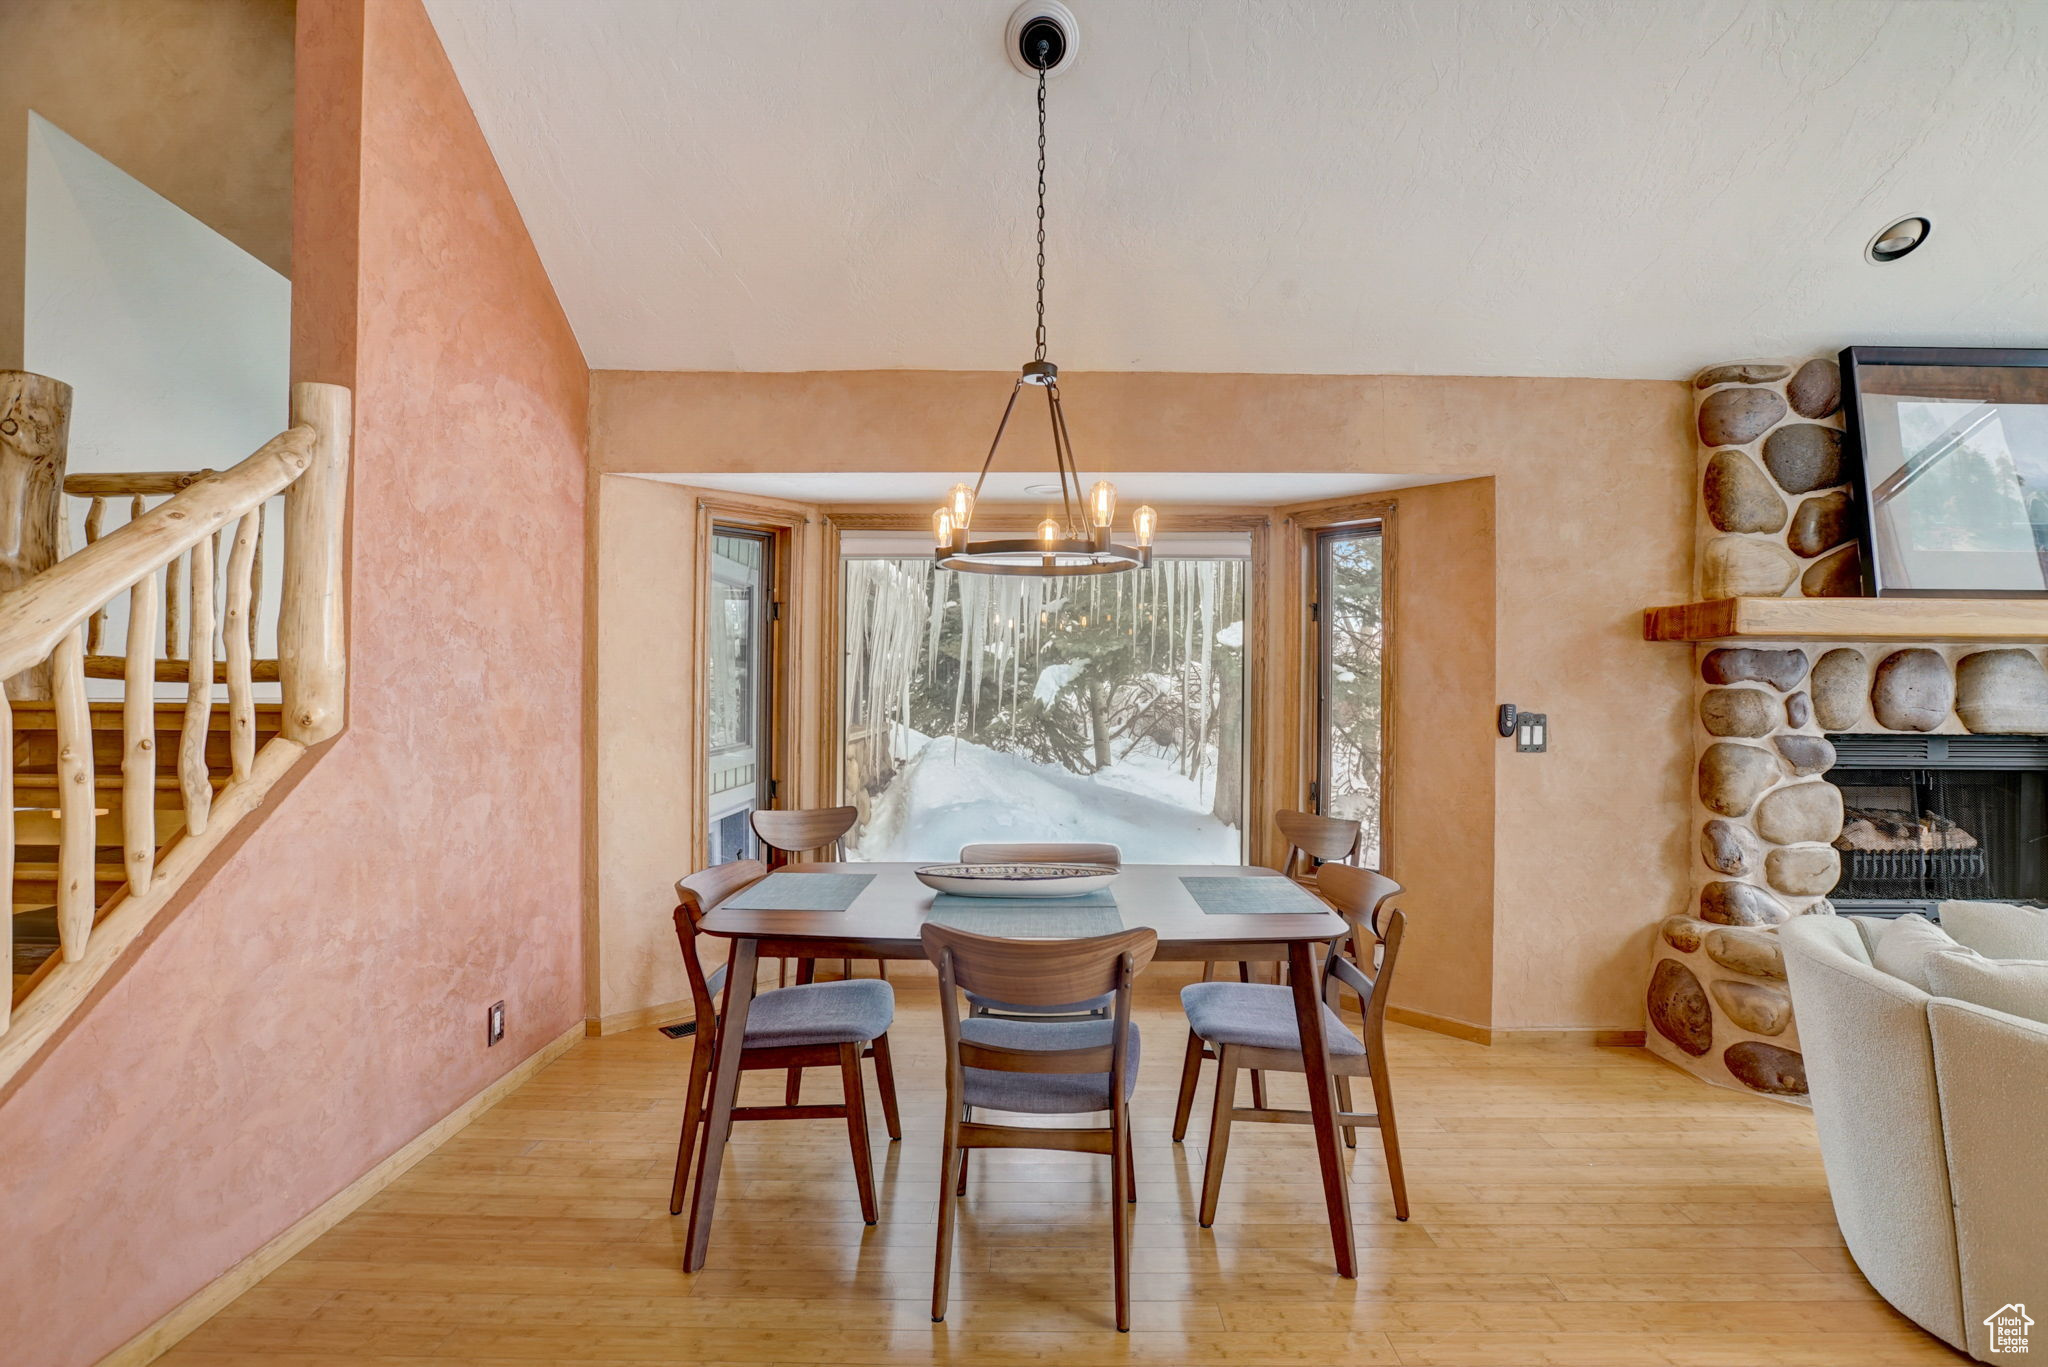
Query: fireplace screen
[{"x": 1919, "y": 834}]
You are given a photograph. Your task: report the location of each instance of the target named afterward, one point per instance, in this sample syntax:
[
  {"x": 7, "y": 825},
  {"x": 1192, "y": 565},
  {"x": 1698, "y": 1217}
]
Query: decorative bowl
[{"x": 1016, "y": 880}]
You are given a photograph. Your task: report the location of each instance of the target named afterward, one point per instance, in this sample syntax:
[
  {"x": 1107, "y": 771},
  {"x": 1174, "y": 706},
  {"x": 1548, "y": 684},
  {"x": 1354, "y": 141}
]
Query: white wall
[{"x": 175, "y": 341}]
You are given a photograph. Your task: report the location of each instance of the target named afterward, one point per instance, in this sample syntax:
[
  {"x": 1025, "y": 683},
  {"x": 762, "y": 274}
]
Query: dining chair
[
  {"x": 1253, "y": 1025},
  {"x": 805, "y": 831},
  {"x": 815, "y": 1025},
  {"x": 1310, "y": 838},
  {"x": 1042, "y": 852},
  {"x": 1038, "y": 1068},
  {"x": 1313, "y": 840}
]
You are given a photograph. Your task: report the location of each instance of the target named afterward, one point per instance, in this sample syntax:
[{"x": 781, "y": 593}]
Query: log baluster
[
  {"x": 240, "y": 649},
  {"x": 174, "y": 609},
  {"x": 138, "y": 739},
  {"x": 77, "y": 892},
  {"x": 194, "y": 782},
  {"x": 256, "y": 575},
  {"x": 96, "y": 625}
]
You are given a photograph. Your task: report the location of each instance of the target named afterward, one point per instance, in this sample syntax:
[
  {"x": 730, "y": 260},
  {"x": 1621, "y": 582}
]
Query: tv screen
[{"x": 1953, "y": 445}]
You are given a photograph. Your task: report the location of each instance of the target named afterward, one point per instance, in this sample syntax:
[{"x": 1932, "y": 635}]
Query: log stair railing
[{"x": 117, "y": 803}]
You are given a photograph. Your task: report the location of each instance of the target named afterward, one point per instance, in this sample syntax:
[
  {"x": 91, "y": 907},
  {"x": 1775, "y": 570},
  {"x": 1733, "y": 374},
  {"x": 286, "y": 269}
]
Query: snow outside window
[{"x": 982, "y": 707}]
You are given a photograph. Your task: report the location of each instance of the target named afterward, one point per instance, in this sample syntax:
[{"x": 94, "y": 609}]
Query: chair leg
[
  {"x": 1219, "y": 1133},
  {"x": 885, "y": 1082},
  {"x": 1245, "y": 975},
  {"x": 1130, "y": 1163},
  {"x": 806, "y": 971},
  {"x": 846, "y": 969},
  {"x": 966, "y": 1114},
  {"x": 1383, "y": 1102},
  {"x": 1344, "y": 1104},
  {"x": 942, "y": 1264},
  {"x": 857, "y": 1128},
  {"x": 793, "y": 1089},
  {"x": 1190, "y": 1074},
  {"x": 1119, "y": 1213},
  {"x": 693, "y": 1111}
]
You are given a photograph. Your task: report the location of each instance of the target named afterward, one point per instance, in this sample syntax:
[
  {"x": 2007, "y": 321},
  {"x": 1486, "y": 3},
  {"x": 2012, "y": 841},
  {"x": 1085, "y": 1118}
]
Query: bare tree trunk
[
  {"x": 1229, "y": 804},
  {"x": 1098, "y": 722}
]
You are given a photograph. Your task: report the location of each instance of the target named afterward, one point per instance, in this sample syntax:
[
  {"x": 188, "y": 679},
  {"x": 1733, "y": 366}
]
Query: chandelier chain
[{"x": 1039, "y": 354}]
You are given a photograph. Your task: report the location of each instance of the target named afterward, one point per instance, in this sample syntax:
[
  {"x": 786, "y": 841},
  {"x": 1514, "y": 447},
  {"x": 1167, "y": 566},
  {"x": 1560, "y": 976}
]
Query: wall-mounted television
[{"x": 1952, "y": 448}]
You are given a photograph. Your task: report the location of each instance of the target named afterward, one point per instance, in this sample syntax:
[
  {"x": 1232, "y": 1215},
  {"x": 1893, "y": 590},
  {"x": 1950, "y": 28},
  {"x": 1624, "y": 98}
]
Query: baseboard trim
[
  {"x": 1487, "y": 1035},
  {"x": 1442, "y": 1025},
  {"x": 639, "y": 1018},
  {"x": 203, "y": 1304}
]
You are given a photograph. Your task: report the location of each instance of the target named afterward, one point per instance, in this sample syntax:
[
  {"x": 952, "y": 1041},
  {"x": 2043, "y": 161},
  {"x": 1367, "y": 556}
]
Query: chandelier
[{"x": 1079, "y": 541}]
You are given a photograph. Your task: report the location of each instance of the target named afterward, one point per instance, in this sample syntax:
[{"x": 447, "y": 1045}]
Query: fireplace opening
[{"x": 1927, "y": 818}]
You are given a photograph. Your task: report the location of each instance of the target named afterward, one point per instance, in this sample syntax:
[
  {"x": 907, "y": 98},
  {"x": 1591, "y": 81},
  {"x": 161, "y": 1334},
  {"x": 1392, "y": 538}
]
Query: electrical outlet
[{"x": 494, "y": 1028}]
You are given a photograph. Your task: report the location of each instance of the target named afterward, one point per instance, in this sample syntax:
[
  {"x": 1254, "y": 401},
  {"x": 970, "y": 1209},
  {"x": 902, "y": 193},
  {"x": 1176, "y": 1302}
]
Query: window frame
[
  {"x": 1295, "y": 737},
  {"x": 1322, "y": 667}
]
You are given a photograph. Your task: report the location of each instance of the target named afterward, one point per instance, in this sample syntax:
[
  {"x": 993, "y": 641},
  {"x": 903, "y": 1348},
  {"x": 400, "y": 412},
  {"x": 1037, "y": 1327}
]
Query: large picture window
[{"x": 1105, "y": 708}]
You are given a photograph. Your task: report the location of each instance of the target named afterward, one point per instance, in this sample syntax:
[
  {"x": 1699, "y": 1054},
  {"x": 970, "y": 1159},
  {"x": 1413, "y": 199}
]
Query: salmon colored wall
[
  {"x": 321, "y": 1001},
  {"x": 1591, "y": 506}
]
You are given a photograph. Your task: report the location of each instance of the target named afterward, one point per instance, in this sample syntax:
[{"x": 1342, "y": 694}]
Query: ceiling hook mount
[{"x": 1042, "y": 35}]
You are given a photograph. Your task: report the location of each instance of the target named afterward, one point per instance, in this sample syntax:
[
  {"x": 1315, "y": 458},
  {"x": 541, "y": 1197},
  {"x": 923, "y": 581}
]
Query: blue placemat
[
  {"x": 1252, "y": 896},
  {"x": 784, "y": 891},
  {"x": 1030, "y": 918}
]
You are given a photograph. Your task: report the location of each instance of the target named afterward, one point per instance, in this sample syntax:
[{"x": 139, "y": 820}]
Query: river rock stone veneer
[{"x": 1776, "y": 518}]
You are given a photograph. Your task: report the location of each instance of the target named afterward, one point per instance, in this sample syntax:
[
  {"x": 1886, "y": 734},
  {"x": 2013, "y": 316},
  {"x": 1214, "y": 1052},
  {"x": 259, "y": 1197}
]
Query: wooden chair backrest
[
  {"x": 1042, "y": 852},
  {"x": 1361, "y": 897},
  {"x": 1038, "y": 973},
  {"x": 798, "y": 832},
  {"x": 1328, "y": 838},
  {"x": 695, "y": 896}
]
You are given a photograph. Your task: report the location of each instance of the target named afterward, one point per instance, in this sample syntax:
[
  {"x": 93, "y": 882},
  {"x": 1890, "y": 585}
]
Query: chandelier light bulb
[
  {"x": 960, "y": 503},
  {"x": 1102, "y": 503},
  {"x": 1049, "y": 532},
  {"x": 942, "y": 528},
  {"x": 1144, "y": 522}
]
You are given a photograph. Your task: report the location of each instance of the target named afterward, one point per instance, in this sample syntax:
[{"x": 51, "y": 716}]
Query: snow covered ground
[{"x": 949, "y": 793}]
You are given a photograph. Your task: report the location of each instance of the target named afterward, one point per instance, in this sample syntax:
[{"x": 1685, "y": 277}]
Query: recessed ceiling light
[
  {"x": 1042, "y": 490},
  {"x": 1898, "y": 239}
]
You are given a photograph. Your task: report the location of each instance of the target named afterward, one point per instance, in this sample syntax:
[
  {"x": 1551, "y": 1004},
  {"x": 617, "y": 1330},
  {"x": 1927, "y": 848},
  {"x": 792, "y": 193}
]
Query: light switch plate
[
  {"x": 494, "y": 1027},
  {"x": 1532, "y": 732}
]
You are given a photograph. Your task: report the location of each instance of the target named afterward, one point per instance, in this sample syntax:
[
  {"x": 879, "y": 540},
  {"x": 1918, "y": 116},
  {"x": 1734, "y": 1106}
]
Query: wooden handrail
[
  {"x": 35, "y": 617},
  {"x": 52, "y": 621},
  {"x": 133, "y": 483}
]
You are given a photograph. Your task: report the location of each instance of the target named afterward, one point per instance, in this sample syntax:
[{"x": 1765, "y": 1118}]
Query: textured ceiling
[{"x": 1487, "y": 187}]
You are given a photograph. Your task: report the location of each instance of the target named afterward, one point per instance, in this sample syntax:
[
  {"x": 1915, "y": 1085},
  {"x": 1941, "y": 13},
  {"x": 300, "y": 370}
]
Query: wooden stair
[{"x": 36, "y": 822}]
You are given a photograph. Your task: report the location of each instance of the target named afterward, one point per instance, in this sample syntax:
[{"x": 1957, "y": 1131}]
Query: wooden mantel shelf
[{"x": 1851, "y": 619}]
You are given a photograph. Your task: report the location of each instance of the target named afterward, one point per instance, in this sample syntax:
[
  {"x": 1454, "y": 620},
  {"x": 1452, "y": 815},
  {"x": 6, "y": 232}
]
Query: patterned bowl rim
[{"x": 1017, "y": 873}]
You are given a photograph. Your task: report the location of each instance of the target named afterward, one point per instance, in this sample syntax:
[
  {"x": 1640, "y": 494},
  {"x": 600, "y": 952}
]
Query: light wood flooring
[{"x": 1573, "y": 1206}]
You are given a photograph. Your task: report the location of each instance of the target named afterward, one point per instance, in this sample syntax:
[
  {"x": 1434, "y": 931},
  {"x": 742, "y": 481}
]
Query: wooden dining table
[{"x": 884, "y": 922}]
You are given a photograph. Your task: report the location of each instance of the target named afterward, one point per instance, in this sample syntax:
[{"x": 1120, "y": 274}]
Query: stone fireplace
[{"x": 1932, "y": 737}]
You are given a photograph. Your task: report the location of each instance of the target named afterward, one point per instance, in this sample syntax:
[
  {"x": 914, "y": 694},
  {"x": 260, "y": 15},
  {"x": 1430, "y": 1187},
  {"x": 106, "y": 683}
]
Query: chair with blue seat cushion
[
  {"x": 1253, "y": 1026},
  {"x": 816, "y": 1025},
  {"x": 1042, "y": 852},
  {"x": 1038, "y": 1067}
]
